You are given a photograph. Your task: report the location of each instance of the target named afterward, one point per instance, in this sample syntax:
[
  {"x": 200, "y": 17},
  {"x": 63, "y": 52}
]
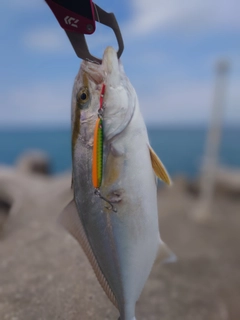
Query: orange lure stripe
[{"x": 97, "y": 156}]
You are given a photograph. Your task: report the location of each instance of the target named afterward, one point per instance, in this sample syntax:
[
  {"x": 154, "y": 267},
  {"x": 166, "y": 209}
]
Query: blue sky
[{"x": 171, "y": 48}]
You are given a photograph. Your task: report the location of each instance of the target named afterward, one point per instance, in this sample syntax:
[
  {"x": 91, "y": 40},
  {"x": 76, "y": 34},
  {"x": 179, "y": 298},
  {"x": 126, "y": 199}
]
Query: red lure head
[{"x": 102, "y": 95}]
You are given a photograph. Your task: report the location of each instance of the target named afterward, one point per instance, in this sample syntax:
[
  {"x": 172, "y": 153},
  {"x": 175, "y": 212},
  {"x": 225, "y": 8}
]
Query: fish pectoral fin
[
  {"x": 159, "y": 168},
  {"x": 165, "y": 255},
  {"x": 70, "y": 220}
]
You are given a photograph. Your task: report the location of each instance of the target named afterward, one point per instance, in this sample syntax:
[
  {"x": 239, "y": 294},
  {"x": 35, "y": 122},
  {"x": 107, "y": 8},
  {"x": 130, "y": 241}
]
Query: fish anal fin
[
  {"x": 159, "y": 168},
  {"x": 70, "y": 220},
  {"x": 165, "y": 255}
]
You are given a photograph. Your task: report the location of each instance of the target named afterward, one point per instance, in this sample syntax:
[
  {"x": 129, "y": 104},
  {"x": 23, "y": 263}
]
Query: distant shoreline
[
  {"x": 181, "y": 149},
  {"x": 53, "y": 127}
]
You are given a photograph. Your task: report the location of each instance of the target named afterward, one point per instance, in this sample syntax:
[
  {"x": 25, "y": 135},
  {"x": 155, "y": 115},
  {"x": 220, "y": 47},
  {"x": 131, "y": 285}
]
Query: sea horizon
[{"x": 181, "y": 148}]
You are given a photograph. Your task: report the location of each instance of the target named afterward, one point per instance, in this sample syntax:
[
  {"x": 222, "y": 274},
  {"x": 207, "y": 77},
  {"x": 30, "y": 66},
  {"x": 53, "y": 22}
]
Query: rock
[
  {"x": 5, "y": 207},
  {"x": 36, "y": 162},
  {"x": 43, "y": 272},
  {"x": 228, "y": 182},
  {"x": 45, "y": 275}
]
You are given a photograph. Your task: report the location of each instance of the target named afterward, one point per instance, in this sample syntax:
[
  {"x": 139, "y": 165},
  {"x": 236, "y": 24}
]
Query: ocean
[{"x": 180, "y": 149}]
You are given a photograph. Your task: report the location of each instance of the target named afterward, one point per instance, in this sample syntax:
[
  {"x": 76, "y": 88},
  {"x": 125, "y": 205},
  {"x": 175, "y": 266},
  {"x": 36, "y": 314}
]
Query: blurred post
[{"x": 210, "y": 161}]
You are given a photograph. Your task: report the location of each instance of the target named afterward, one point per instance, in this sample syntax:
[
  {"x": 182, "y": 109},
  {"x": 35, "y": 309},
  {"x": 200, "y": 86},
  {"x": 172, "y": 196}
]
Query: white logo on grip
[{"x": 71, "y": 21}]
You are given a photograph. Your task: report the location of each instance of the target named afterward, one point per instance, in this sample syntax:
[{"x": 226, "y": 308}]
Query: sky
[{"x": 171, "y": 50}]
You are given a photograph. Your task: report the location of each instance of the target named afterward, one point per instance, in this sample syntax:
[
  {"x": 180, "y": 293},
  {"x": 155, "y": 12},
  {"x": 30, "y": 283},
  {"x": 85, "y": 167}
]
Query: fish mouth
[
  {"x": 108, "y": 71},
  {"x": 111, "y": 66}
]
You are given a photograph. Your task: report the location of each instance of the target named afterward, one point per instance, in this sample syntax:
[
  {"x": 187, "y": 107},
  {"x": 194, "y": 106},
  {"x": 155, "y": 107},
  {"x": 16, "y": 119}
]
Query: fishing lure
[
  {"x": 97, "y": 165},
  {"x": 97, "y": 156}
]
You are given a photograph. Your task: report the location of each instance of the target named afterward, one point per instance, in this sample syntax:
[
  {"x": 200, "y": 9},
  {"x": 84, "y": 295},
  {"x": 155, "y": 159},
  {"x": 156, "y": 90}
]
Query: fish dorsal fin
[
  {"x": 159, "y": 168},
  {"x": 70, "y": 220}
]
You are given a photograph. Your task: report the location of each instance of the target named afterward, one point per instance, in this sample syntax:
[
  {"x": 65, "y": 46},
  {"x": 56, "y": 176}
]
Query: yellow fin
[
  {"x": 71, "y": 221},
  {"x": 159, "y": 168}
]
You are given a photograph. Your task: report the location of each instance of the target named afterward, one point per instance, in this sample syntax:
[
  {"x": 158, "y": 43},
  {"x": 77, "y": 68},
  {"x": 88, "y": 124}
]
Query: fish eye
[{"x": 83, "y": 97}]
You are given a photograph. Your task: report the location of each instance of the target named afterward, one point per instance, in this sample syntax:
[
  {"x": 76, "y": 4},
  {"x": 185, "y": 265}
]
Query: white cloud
[
  {"x": 188, "y": 102},
  {"x": 188, "y": 15},
  {"x": 43, "y": 103},
  {"x": 47, "y": 39},
  {"x": 182, "y": 102},
  {"x": 232, "y": 110}
]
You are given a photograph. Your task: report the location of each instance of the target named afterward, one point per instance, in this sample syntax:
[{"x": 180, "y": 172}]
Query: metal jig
[{"x": 97, "y": 163}]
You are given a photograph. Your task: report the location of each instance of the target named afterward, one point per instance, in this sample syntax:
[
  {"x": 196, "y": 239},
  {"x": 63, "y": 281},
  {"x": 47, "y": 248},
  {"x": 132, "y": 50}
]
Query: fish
[{"x": 116, "y": 220}]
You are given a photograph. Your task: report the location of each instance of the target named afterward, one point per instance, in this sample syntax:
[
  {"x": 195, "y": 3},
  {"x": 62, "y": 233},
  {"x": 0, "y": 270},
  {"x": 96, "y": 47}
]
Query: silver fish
[{"x": 121, "y": 240}]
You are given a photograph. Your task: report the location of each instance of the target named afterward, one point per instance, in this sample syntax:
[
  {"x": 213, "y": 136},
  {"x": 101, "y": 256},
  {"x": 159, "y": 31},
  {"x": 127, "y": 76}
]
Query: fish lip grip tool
[{"x": 77, "y": 18}]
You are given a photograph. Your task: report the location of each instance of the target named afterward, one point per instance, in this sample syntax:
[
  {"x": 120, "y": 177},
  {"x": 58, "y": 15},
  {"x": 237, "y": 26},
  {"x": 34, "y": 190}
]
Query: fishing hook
[{"x": 98, "y": 194}]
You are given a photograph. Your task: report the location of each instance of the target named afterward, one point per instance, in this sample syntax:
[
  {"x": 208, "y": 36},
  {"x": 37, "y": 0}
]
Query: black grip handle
[{"x": 80, "y": 7}]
